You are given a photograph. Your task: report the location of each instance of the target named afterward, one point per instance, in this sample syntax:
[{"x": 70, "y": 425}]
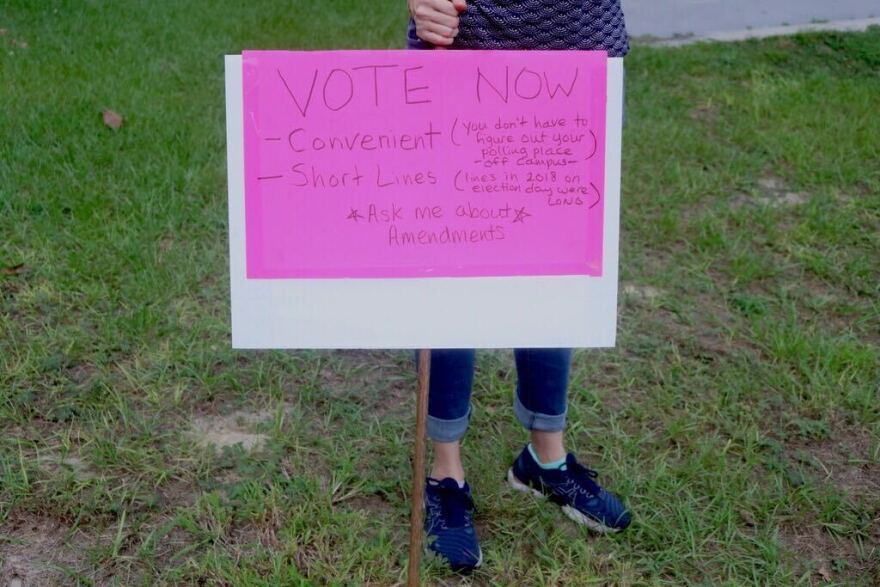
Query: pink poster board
[{"x": 386, "y": 164}]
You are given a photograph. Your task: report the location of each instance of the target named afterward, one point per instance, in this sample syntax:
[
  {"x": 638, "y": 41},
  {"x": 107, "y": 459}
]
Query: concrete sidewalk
[{"x": 672, "y": 22}]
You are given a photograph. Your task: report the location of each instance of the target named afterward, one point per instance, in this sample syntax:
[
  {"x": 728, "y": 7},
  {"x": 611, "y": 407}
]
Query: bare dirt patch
[
  {"x": 828, "y": 558},
  {"x": 176, "y": 493},
  {"x": 843, "y": 461},
  {"x": 640, "y": 292},
  {"x": 70, "y": 463},
  {"x": 36, "y": 551},
  {"x": 379, "y": 380},
  {"x": 238, "y": 427},
  {"x": 372, "y": 504},
  {"x": 772, "y": 192},
  {"x": 703, "y": 333},
  {"x": 706, "y": 112}
]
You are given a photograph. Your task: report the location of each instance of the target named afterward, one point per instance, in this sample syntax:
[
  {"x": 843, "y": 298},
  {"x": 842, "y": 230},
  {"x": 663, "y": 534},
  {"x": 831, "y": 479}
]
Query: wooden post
[
  {"x": 418, "y": 481},
  {"x": 417, "y": 510}
]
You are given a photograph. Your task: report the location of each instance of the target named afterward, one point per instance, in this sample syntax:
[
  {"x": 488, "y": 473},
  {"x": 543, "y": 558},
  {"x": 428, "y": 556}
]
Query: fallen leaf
[
  {"x": 112, "y": 119},
  {"x": 12, "y": 269}
]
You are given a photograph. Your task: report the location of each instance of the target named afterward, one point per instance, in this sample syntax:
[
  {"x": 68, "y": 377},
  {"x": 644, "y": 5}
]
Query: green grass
[{"x": 739, "y": 415}]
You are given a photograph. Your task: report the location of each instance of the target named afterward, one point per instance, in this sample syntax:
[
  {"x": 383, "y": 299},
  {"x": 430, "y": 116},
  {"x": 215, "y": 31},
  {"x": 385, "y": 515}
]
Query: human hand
[{"x": 436, "y": 20}]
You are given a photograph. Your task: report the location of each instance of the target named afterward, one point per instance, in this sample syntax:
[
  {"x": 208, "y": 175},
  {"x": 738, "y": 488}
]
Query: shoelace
[
  {"x": 583, "y": 477},
  {"x": 450, "y": 508}
]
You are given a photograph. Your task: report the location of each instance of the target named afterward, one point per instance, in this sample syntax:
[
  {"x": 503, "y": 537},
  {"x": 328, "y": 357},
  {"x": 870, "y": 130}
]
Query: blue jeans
[{"x": 539, "y": 402}]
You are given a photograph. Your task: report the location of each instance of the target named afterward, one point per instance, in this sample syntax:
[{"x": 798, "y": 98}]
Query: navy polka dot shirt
[{"x": 539, "y": 24}]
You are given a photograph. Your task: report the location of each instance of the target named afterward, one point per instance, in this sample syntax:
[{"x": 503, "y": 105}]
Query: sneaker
[
  {"x": 573, "y": 487},
  {"x": 449, "y": 524}
]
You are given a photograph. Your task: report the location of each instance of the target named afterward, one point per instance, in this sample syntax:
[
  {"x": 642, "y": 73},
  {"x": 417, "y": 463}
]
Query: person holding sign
[{"x": 544, "y": 467}]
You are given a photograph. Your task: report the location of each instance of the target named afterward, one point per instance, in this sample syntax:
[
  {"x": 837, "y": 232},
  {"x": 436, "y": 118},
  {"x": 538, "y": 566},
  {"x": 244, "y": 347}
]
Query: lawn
[{"x": 739, "y": 415}]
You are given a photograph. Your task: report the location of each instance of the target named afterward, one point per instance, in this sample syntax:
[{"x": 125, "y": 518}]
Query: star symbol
[
  {"x": 354, "y": 215},
  {"x": 521, "y": 215}
]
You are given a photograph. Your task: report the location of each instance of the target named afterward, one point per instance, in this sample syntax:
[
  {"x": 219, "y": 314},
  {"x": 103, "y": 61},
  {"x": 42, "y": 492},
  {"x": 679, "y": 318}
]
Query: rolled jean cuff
[
  {"x": 536, "y": 420},
  {"x": 440, "y": 430}
]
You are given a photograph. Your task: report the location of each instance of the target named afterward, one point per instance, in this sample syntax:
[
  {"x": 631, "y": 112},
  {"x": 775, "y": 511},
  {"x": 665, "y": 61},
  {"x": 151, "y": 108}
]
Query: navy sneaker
[
  {"x": 573, "y": 487},
  {"x": 449, "y": 524}
]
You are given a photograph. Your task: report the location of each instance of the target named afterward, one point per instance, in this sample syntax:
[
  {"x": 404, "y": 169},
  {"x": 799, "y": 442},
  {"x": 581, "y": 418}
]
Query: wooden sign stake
[{"x": 418, "y": 481}]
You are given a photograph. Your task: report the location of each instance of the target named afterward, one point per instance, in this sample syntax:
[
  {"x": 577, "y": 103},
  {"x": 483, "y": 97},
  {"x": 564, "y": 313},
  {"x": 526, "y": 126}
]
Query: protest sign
[{"x": 423, "y": 199}]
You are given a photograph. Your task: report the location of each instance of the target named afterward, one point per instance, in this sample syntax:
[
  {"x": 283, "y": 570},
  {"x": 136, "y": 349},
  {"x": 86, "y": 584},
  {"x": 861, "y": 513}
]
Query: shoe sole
[
  {"x": 463, "y": 570},
  {"x": 577, "y": 516},
  {"x": 478, "y": 563}
]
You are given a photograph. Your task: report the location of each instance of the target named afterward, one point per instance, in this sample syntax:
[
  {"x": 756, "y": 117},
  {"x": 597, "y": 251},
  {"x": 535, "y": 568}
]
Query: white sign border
[{"x": 436, "y": 312}]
